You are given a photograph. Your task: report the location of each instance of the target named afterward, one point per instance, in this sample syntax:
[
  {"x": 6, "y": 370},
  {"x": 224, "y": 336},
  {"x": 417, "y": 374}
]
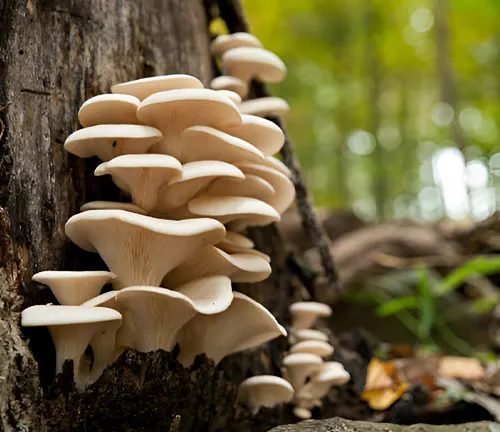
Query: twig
[{"x": 231, "y": 11}]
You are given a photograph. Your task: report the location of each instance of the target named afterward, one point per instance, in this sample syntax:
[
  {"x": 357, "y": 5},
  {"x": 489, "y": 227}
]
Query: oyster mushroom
[
  {"x": 265, "y": 107},
  {"x": 299, "y": 335},
  {"x": 111, "y": 205},
  {"x": 264, "y": 391},
  {"x": 329, "y": 374},
  {"x": 320, "y": 348},
  {"x": 251, "y": 187},
  {"x": 305, "y": 314},
  {"x": 300, "y": 366},
  {"x": 230, "y": 83},
  {"x": 109, "y": 109},
  {"x": 223, "y": 43}
]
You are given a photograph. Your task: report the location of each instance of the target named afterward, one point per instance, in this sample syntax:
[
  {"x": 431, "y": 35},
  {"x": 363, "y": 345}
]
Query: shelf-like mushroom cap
[
  {"x": 264, "y": 391},
  {"x": 265, "y": 107},
  {"x": 134, "y": 246},
  {"x": 142, "y": 176},
  {"x": 233, "y": 96},
  {"x": 260, "y": 132},
  {"x": 302, "y": 413},
  {"x": 223, "y": 43},
  {"x": 251, "y": 187},
  {"x": 112, "y": 205},
  {"x": 304, "y": 314},
  {"x": 206, "y": 143},
  {"x": 152, "y": 316},
  {"x": 109, "y": 109},
  {"x": 144, "y": 87},
  {"x": 176, "y": 110},
  {"x": 109, "y": 141},
  {"x": 230, "y": 83},
  {"x": 247, "y": 63},
  {"x": 278, "y": 165},
  {"x": 299, "y": 335},
  {"x": 225, "y": 209},
  {"x": 244, "y": 324},
  {"x": 238, "y": 243},
  {"x": 300, "y": 366},
  {"x": 239, "y": 267},
  {"x": 72, "y": 288},
  {"x": 329, "y": 374},
  {"x": 195, "y": 177},
  {"x": 285, "y": 190},
  {"x": 320, "y": 348}
]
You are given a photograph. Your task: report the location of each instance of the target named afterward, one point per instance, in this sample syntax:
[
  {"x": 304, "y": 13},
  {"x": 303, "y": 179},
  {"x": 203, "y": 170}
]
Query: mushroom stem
[{"x": 103, "y": 347}]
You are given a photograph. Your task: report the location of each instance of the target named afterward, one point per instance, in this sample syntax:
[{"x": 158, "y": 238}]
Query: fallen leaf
[
  {"x": 382, "y": 399},
  {"x": 461, "y": 368},
  {"x": 378, "y": 375}
]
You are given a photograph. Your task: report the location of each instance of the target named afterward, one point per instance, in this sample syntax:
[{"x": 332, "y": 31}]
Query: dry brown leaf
[
  {"x": 461, "y": 368},
  {"x": 382, "y": 399},
  {"x": 378, "y": 375}
]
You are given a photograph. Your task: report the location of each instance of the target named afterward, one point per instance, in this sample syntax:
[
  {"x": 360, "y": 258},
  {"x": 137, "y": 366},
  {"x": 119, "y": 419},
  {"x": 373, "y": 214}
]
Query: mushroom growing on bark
[
  {"x": 109, "y": 109},
  {"x": 265, "y": 107},
  {"x": 234, "y": 84},
  {"x": 223, "y": 43},
  {"x": 264, "y": 391},
  {"x": 305, "y": 314},
  {"x": 329, "y": 374},
  {"x": 300, "y": 366},
  {"x": 112, "y": 205},
  {"x": 320, "y": 348}
]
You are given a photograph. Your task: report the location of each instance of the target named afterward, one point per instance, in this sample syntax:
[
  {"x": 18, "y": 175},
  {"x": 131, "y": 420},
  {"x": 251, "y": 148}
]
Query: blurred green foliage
[{"x": 365, "y": 81}]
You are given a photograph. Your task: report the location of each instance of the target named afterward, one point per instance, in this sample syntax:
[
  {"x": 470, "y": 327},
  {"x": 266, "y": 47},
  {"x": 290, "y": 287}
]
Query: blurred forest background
[{"x": 395, "y": 103}]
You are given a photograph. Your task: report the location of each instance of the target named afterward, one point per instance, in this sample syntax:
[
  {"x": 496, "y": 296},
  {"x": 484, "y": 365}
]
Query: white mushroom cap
[
  {"x": 109, "y": 109},
  {"x": 247, "y": 63},
  {"x": 285, "y": 190},
  {"x": 244, "y": 324},
  {"x": 229, "y": 209},
  {"x": 265, "y": 107},
  {"x": 264, "y": 391},
  {"x": 223, "y": 43},
  {"x": 175, "y": 110},
  {"x": 144, "y": 87},
  {"x": 237, "y": 243},
  {"x": 195, "y": 177},
  {"x": 152, "y": 317},
  {"x": 320, "y": 348},
  {"x": 302, "y": 413},
  {"x": 306, "y": 401},
  {"x": 230, "y": 83},
  {"x": 72, "y": 328},
  {"x": 329, "y": 374},
  {"x": 239, "y": 267},
  {"x": 260, "y": 132},
  {"x": 207, "y": 143},
  {"x": 298, "y": 335},
  {"x": 252, "y": 187},
  {"x": 142, "y": 176},
  {"x": 72, "y": 288},
  {"x": 304, "y": 314},
  {"x": 109, "y": 141},
  {"x": 111, "y": 205},
  {"x": 300, "y": 366},
  {"x": 235, "y": 97},
  {"x": 133, "y": 246},
  {"x": 237, "y": 239},
  {"x": 278, "y": 165}
]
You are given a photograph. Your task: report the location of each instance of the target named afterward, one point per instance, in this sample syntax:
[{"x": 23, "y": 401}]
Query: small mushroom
[
  {"x": 247, "y": 63},
  {"x": 300, "y": 366},
  {"x": 176, "y": 110},
  {"x": 251, "y": 187},
  {"x": 276, "y": 164},
  {"x": 111, "y": 205},
  {"x": 244, "y": 324},
  {"x": 142, "y": 176},
  {"x": 230, "y": 83},
  {"x": 238, "y": 243},
  {"x": 233, "y": 96},
  {"x": 141, "y": 249},
  {"x": 264, "y": 391},
  {"x": 329, "y": 374},
  {"x": 265, "y": 107},
  {"x": 302, "y": 413},
  {"x": 260, "y": 132},
  {"x": 223, "y": 43},
  {"x": 72, "y": 328},
  {"x": 72, "y": 288},
  {"x": 305, "y": 314},
  {"x": 239, "y": 267},
  {"x": 320, "y": 348},
  {"x": 195, "y": 177},
  {"x": 109, "y": 109},
  {"x": 109, "y": 141},
  {"x": 299, "y": 335},
  {"x": 144, "y": 87}
]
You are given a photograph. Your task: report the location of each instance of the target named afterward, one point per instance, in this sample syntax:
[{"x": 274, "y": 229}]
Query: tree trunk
[{"x": 54, "y": 55}]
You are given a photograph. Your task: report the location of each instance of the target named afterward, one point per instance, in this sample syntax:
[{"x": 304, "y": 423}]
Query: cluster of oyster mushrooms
[
  {"x": 305, "y": 366},
  {"x": 198, "y": 172}
]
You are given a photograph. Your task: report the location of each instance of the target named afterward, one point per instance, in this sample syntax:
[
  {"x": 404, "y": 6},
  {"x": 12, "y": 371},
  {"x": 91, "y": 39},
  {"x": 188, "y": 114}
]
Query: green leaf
[
  {"x": 481, "y": 266},
  {"x": 427, "y": 307},
  {"x": 397, "y": 305},
  {"x": 484, "y": 305}
]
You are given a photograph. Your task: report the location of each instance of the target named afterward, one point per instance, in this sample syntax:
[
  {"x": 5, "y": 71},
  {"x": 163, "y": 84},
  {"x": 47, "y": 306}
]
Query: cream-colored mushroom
[
  {"x": 223, "y": 43},
  {"x": 299, "y": 335},
  {"x": 329, "y": 374},
  {"x": 238, "y": 243},
  {"x": 230, "y": 83},
  {"x": 233, "y": 96},
  {"x": 302, "y": 413},
  {"x": 320, "y": 348},
  {"x": 109, "y": 141},
  {"x": 195, "y": 178},
  {"x": 264, "y": 391},
  {"x": 244, "y": 324},
  {"x": 141, "y": 249},
  {"x": 72, "y": 328},
  {"x": 265, "y": 107},
  {"x": 276, "y": 164},
  {"x": 251, "y": 187},
  {"x": 261, "y": 133},
  {"x": 144, "y": 87},
  {"x": 305, "y": 314},
  {"x": 300, "y": 366},
  {"x": 239, "y": 267},
  {"x": 112, "y": 205},
  {"x": 72, "y": 288},
  {"x": 247, "y": 63},
  {"x": 176, "y": 110},
  {"x": 109, "y": 109},
  {"x": 142, "y": 176}
]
